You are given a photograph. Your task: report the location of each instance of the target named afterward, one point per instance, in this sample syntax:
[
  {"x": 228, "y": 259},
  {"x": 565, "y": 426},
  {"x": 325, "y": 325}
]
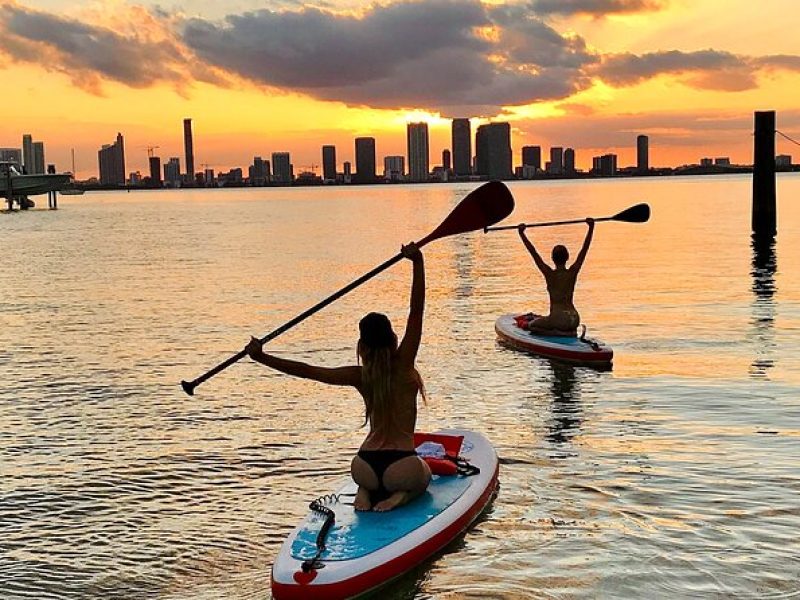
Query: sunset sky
[{"x": 262, "y": 76}]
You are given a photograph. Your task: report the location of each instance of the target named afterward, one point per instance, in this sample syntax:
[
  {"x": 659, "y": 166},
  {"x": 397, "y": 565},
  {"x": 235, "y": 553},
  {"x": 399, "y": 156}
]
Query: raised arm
[
  {"x": 576, "y": 266},
  {"x": 335, "y": 376},
  {"x": 413, "y": 334},
  {"x": 543, "y": 266}
]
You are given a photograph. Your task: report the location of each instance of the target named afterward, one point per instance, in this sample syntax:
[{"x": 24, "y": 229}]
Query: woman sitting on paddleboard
[
  {"x": 563, "y": 318},
  {"x": 387, "y": 469}
]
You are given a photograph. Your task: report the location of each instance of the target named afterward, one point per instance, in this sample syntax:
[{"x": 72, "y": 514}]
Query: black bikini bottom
[{"x": 379, "y": 461}]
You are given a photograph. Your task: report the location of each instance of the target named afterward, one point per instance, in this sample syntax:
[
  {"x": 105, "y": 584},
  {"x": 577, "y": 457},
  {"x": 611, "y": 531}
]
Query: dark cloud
[
  {"x": 707, "y": 69},
  {"x": 87, "y": 52},
  {"x": 595, "y": 7},
  {"x": 455, "y": 56},
  {"x": 583, "y": 128},
  {"x": 527, "y": 40},
  {"x": 424, "y": 53}
]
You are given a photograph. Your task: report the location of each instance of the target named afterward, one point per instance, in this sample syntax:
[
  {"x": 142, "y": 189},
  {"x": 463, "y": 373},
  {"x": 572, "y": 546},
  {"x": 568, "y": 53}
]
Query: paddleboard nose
[{"x": 303, "y": 578}]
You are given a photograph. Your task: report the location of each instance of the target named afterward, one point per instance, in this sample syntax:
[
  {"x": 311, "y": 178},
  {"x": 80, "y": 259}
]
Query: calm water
[{"x": 676, "y": 474}]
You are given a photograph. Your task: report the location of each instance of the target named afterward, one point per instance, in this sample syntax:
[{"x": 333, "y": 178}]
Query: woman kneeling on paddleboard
[
  {"x": 387, "y": 469},
  {"x": 563, "y": 318}
]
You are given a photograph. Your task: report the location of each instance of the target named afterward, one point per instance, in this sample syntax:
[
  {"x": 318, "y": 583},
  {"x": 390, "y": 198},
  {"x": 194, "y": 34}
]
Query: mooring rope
[{"x": 787, "y": 137}]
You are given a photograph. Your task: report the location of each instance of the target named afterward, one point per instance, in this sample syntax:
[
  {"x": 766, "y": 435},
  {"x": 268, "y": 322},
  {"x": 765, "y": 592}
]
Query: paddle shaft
[
  {"x": 189, "y": 386},
  {"x": 547, "y": 224}
]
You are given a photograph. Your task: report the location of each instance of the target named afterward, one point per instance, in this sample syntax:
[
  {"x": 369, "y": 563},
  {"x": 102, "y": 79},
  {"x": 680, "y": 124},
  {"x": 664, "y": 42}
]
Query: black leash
[
  {"x": 318, "y": 506},
  {"x": 463, "y": 466}
]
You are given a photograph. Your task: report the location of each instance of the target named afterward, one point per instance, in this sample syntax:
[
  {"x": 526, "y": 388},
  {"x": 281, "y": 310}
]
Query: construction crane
[
  {"x": 312, "y": 168},
  {"x": 150, "y": 150}
]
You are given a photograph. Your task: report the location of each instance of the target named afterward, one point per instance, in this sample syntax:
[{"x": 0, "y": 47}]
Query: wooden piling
[{"x": 764, "y": 219}]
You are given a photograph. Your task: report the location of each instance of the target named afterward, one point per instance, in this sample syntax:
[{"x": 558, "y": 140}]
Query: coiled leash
[
  {"x": 463, "y": 466},
  {"x": 318, "y": 506},
  {"x": 594, "y": 345}
]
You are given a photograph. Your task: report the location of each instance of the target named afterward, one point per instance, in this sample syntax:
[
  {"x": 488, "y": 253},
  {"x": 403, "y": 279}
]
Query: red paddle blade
[{"x": 483, "y": 206}]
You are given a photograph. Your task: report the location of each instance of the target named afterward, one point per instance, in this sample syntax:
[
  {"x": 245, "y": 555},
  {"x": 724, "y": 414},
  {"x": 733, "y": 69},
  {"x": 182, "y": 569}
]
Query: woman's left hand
[
  {"x": 254, "y": 348},
  {"x": 411, "y": 251}
]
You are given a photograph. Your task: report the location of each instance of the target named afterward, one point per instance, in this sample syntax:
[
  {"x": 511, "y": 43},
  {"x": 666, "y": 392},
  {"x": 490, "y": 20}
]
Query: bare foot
[
  {"x": 393, "y": 501},
  {"x": 361, "y": 501}
]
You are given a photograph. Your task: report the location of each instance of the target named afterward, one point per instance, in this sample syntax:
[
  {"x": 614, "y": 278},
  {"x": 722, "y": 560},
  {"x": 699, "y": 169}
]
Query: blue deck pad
[
  {"x": 561, "y": 340},
  {"x": 356, "y": 534}
]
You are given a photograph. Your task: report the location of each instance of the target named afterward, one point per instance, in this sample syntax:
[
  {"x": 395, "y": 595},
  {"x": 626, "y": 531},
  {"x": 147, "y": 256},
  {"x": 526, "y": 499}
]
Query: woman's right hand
[
  {"x": 411, "y": 251},
  {"x": 521, "y": 227}
]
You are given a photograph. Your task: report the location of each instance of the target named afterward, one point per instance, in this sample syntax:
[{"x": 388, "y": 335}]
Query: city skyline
[{"x": 587, "y": 75}]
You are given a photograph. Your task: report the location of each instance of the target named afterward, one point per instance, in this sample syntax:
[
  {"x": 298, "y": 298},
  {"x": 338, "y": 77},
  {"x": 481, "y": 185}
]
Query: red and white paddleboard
[
  {"x": 366, "y": 550},
  {"x": 573, "y": 349}
]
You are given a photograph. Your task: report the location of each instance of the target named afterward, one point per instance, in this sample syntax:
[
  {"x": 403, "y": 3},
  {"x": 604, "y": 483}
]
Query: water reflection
[
  {"x": 567, "y": 412},
  {"x": 764, "y": 265}
]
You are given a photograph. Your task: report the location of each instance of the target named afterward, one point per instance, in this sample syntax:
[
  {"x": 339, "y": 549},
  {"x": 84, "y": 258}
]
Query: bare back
[{"x": 404, "y": 389}]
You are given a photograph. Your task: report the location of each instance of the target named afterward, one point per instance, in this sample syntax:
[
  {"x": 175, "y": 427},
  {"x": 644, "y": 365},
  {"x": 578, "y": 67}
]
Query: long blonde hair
[{"x": 376, "y": 350}]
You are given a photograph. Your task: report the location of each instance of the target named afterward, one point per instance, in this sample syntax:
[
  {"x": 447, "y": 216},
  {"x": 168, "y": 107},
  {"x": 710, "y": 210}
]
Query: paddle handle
[
  {"x": 547, "y": 224},
  {"x": 188, "y": 386}
]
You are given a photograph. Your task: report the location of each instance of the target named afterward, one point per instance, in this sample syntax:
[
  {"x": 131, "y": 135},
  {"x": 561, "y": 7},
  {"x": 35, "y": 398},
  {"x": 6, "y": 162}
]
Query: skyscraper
[
  {"x": 258, "y": 172},
  {"x": 569, "y": 161},
  {"x": 532, "y": 157},
  {"x": 605, "y": 165},
  {"x": 329, "y": 163},
  {"x": 556, "y": 160},
  {"x": 155, "y": 171},
  {"x": 462, "y": 147},
  {"x": 394, "y": 167},
  {"x": 188, "y": 147},
  {"x": 172, "y": 172},
  {"x": 27, "y": 152},
  {"x": 493, "y": 151},
  {"x": 642, "y": 154},
  {"x": 282, "y": 171},
  {"x": 111, "y": 158},
  {"x": 446, "y": 159},
  {"x": 365, "y": 160},
  {"x": 11, "y": 155},
  {"x": 418, "y": 157},
  {"x": 38, "y": 157}
]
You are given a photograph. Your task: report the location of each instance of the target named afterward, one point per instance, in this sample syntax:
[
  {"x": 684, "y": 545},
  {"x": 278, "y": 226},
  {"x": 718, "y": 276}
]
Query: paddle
[
  {"x": 638, "y": 213},
  {"x": 486, "y": 205}
]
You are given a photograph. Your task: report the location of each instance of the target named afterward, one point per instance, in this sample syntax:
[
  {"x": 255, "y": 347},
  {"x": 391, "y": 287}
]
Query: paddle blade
[
  {"x": 635, "y": 214},
  {"x": 484, "y": 206}
]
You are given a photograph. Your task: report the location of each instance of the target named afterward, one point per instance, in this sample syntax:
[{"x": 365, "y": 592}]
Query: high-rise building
[
  {"x": 394, "y": 168},
  {"x": 13, "y": 155},
  {"x": 569, "y": 161},
  {"x": 329, "y": 163},
  {"x": 365, "y": 160},
  {"x": 282, "y": 170},
  {"x": 493, "y": 151},
  {"x": 556, "y": 161},
  {"x": 532, "y": 157},
  {"x": 461, "y": 142},
  {"x": 259, "y": 171},
  {"x": 446, "y": 159},
  {"x": 172, "y": 172},
  {"x": 347, "y": 172},
  {"x": 27, "y": 152},
  {"x": 642, "y": 154},
  {"x": 38, "y": 157},
  {"x": 605, "y": 165},
  {"x": 188, "y": 148},
  {"x": 155, "y": 171},
  {"x": 111, "y": 158},
  {"x": 418, "y": 156}
]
